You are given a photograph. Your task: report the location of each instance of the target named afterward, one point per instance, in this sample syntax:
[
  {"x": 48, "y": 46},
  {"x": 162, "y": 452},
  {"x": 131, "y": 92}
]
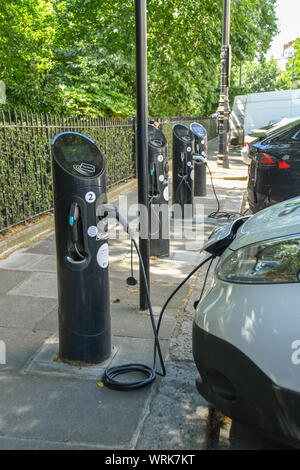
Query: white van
[
  {"x": 257, "y": 110},
  {"x": 262, "y": 108},
  {"x": 236, "y": 120}
]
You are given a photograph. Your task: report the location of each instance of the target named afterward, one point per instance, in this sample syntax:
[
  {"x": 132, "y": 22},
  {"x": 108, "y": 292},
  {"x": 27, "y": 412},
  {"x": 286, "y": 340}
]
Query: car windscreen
[
  {"x": 283, "y": 125},
  {"x": 286, "y": 136}
]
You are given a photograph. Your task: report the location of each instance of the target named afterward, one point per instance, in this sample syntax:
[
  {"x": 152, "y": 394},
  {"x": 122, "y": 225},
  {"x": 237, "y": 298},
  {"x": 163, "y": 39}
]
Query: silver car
[{"x": 246, "y": 332}]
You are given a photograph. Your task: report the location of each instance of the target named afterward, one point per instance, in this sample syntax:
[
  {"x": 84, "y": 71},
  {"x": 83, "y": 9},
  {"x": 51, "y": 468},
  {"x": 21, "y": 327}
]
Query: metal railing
[{"x": 25, "y": 157}]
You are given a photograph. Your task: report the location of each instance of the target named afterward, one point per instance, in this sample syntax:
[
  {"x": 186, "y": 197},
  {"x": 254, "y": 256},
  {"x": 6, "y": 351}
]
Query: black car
[{"x": 274, "y": 171}]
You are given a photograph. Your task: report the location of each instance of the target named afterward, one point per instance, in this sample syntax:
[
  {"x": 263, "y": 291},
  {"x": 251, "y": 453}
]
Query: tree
[
  {"x": 259, "y": 77},
  {"x": 185, "y": 45},
  {"x": 26, "y": 58},
  {"x": 293, "y": 68},
  {"x": 266, "y": 76},
  {"x": 78, "y": 56}
]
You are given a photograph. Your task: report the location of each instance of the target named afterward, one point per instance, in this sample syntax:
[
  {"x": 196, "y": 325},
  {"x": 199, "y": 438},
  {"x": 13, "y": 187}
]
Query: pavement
[{"x": 51, "y": 405}]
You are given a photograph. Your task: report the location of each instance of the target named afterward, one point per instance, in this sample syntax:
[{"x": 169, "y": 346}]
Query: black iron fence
[{"x": 25, "y": 157}]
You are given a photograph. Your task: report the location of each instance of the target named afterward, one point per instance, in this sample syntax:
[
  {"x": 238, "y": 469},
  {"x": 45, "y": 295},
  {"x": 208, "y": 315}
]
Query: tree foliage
[
  {"x": 292, "y": 72},
  {"x": 297, "y": 56},
  {"x": 78, "y": 56},
  {"x": 257, "y": 77}
]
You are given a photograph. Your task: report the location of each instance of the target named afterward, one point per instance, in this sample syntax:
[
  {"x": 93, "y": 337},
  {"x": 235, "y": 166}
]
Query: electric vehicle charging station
[
  {"x": 183, "y": 170},
  {"x": 200, "y": 136},
  {"x": 79, "y": 186},
  {"x": 158, "y": 192}
]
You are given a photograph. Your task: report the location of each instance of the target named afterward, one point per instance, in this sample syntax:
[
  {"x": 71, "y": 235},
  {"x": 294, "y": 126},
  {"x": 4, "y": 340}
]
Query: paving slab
[
  {"x": 74, "y": 410},
  {"x": 24, "y": 311},
  {"x": 46, "y": 246},
  {"x": 49, "y": 322},
  {"x": 28, "y": 261},
  {"x": 37, "y": 284},
  {"x": 10, "y": 279},
  {"x": 20, "y": 260},
  {"x": 46, "y": 362},
  {"x": 21, "y": 345},
  {"x": 46, "y": 264},
  {"x": 126, "y": 323}
]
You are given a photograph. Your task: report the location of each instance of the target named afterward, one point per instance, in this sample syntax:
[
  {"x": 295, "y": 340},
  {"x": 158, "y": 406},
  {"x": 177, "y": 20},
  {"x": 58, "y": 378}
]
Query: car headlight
[{"x": 273, "y": 261}]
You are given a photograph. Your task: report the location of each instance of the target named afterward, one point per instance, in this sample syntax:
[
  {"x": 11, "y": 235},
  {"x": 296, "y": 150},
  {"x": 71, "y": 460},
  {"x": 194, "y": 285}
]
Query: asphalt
[{"x": 50, "y": 405}]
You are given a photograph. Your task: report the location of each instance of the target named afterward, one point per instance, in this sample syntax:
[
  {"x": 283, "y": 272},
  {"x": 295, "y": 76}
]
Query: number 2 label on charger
[{"x": 90, "y": 197}]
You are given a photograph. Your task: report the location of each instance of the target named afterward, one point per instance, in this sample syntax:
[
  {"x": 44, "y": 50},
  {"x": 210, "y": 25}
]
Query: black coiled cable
[{"x": 110, "y": 375}]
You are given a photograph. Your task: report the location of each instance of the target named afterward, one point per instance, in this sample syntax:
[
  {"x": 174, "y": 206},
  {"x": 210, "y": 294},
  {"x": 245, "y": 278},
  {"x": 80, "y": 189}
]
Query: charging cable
[
  {"x": 215, "y": 214},
  {"x": 110, "y": 374},
  {"x": 183, "y": 176},
  {"x": 131, "y": 280},
  {"x": 196, "y": 303},
  {"x": 184, "y": 179}
]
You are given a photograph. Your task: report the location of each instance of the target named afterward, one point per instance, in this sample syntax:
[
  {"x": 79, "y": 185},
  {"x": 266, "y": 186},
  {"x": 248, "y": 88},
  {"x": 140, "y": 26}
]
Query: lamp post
[
  {"x": 142, "y": 139},
  {"x": 223, "y": 107}
]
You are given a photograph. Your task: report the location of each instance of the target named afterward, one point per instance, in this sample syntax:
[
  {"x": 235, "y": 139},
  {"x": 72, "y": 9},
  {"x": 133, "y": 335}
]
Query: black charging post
[
  {"x": 183, "y": 172},
  {"x": 158, "y": 192},
  {"x": 79, "y": 183},
  {"x": 200, "y": 136}
]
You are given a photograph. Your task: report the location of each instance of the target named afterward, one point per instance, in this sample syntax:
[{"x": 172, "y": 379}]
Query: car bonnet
[{"x": 279, "y": 220}]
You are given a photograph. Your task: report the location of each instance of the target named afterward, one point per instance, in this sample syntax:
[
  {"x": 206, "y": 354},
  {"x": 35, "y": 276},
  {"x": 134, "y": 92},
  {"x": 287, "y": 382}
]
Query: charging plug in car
[{"x": 223, "y": 236}]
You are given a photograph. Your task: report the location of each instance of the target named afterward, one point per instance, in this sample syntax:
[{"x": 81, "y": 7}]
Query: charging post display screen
[
  {"x": 78, "y": 155},
  {"x": 198, "y": 129},
  {"x": 156, "y": 137},
  {"x": 183, "y": 133}
]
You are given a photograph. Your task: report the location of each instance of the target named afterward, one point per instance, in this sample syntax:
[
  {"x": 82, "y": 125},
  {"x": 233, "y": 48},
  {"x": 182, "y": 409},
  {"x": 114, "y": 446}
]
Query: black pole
[
  {"x": 223, "y": 108},
  {"x": 142, "y": 138}
]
